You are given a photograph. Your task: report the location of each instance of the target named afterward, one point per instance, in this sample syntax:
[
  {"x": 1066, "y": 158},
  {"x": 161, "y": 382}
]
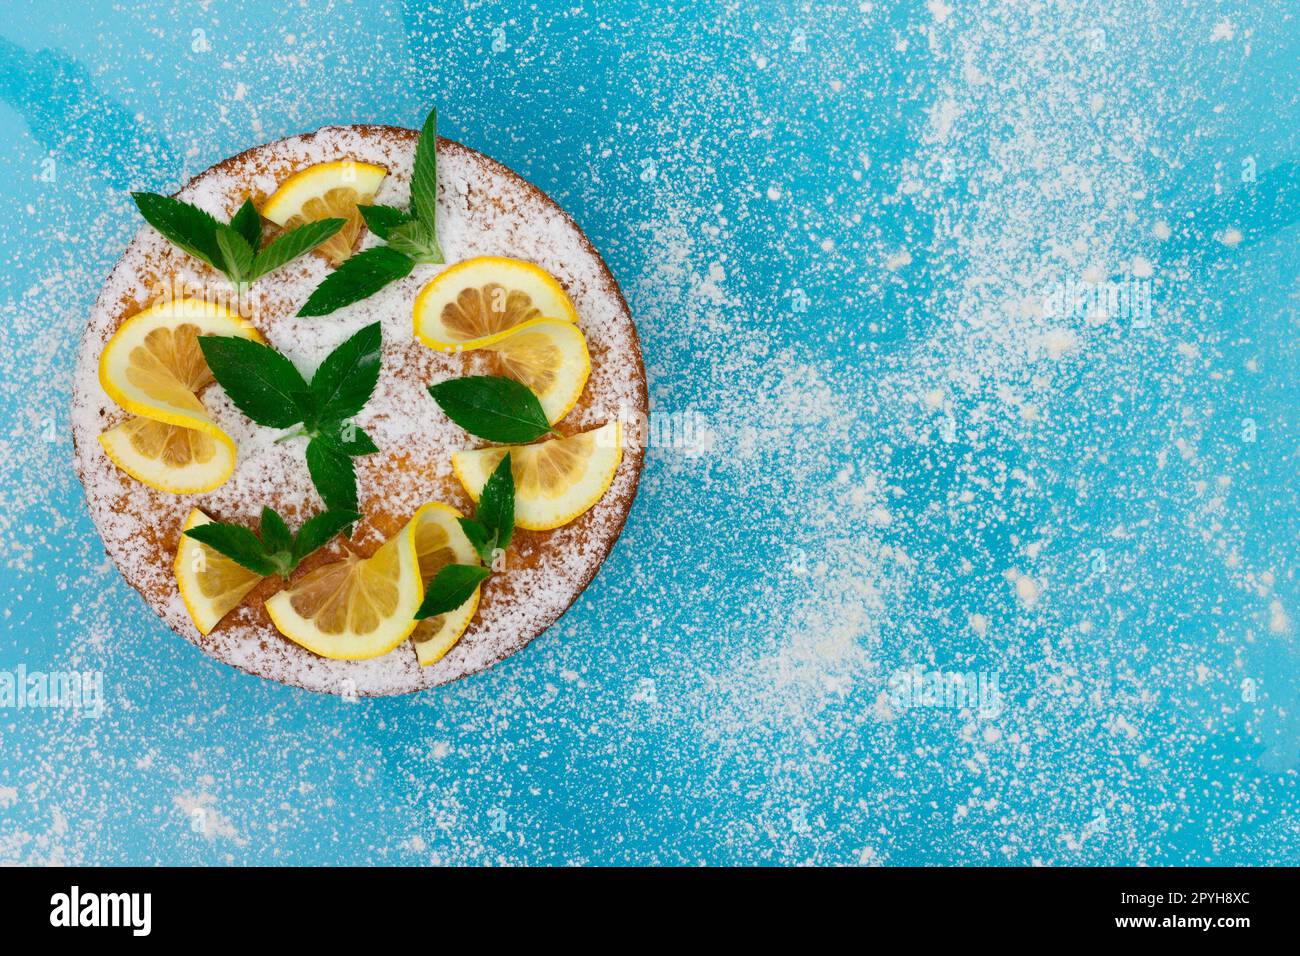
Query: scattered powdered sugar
[
  {"x": 483, "y": 210},
  {"x": 960, "y": 538}
]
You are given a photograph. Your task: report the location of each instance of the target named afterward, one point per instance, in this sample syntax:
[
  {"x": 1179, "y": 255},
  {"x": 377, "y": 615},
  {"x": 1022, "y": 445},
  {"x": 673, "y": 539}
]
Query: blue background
[{"x": 720, "y": 694}]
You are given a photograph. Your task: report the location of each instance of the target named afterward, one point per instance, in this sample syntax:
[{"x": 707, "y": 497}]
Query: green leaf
[
  {"x": 381, "y": 219},
  {"x": 345, "y": 379},
  {"x": 237, "y": 543},
  {"x": 248, "y": 224},
  {"x": 492, "y": 407},
  {"x": 358, "y": 278},
  {"x": 236, "y": 254},
  {"x": 316, "y": 532},
  {"x": 424, "y": 176},
  {"x": 415, "y": 239},
  {"x": 275, "y": 533},
  {"x": 259, "y": 380},
  {"x": 290, "y": 245},
  {"x": 483, "y": 541},
  {"x": 450, "y": 588},
  {"x": 186, "y": 226},
  {"x": 496, "y": 505},
  {"x": 348, "y": 437},
  {"x": 333, "y": 475}
]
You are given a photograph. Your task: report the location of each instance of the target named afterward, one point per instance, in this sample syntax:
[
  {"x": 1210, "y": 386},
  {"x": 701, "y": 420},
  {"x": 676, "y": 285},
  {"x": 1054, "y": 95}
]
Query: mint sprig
[
  {"x": 492, "y": 407},
  {"x": 493, "y": 524},
  {"x": 270, "y": 390},
  {"x": 235, "y": 248},
  {"x": 411, "y": 237},
  {"x": 277, "y": 550},
  {"x": 489, "y": 531}
]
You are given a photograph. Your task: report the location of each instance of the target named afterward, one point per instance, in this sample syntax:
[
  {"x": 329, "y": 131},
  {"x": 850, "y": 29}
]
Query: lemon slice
[
  {"x": 476, "y": 302},
  {"x": 168, "y": 457},
  {"x": 327, "y": 191},
  {"x": 555, "y": 480},
  {"x": 548, "y": 356},
  {"x": 153, "y": 368},
  {"x": 356, "y": 608},
  {"x": 439, "y": 541},
  {"x": 211, "y": 585}
]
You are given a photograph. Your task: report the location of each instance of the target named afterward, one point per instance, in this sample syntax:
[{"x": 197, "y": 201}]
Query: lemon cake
[{"x": 163, "y": 449}]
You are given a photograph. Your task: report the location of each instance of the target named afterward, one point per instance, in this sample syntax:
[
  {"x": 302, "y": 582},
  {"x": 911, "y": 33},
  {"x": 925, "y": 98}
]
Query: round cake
[{"x": 484, "y": 209}]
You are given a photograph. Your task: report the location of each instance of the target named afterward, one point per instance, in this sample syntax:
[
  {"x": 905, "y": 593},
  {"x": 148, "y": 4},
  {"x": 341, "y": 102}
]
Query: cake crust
[{"x": 484, "y": 209}]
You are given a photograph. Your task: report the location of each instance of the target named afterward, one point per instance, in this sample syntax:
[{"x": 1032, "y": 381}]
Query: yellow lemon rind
[
  {"x": 555, "y": 408},
  {"x": 215, "y": 318},
  {"x": 435, "y": 506}
]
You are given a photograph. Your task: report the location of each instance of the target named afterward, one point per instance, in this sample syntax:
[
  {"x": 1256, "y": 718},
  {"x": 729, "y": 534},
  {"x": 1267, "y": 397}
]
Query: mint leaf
[
  {"x": 349, "y": 438},
  {"x": 493, "y": 407},
  {"x": 262, "y": 383},
  {"x": 248, "y": 223},
  {"x": 333, "y": 474},
  {"x": 496, "y": 505},
  {"x": 236, "y": 254},
  {"x": 290, "y": 245},
  {"x": 237, "y": 543},
  {"x": 483, "y": 541},
  {"x": 316, "y": 532},
  {"x": 415, "y": 239},
  {"x": 424, "y": 178},
  {"x": 382, "y": 219},
  {"x": 358, "y": 278},
  {"x": 186, "y": 226},
  {"x": 275, "y": 533},
  {"x": 450, "y": 588},
  {"x": 345, "y": 379}
]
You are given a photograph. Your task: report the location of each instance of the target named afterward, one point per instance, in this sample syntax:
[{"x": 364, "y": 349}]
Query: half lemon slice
[
  {"x": 439, "y": 541},
  {"x": 153, "y": 368},
  {"x": 548, "y": 356},
  {"x": 211, "y": 585},
  {"x": 476, "y": 302},
  {"x": 555, "y": 480},
  {"x": 356, "y": 608},
  {"x": 168, "y": 457},
  {"x": 327, "y": 191}
]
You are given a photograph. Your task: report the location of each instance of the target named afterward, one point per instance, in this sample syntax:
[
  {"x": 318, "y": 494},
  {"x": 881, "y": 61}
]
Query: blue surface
[{"x": 725, "y": 691}]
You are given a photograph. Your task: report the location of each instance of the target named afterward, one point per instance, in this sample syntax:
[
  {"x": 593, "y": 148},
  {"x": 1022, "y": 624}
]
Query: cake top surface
[{"x": 483, "y": 209}]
